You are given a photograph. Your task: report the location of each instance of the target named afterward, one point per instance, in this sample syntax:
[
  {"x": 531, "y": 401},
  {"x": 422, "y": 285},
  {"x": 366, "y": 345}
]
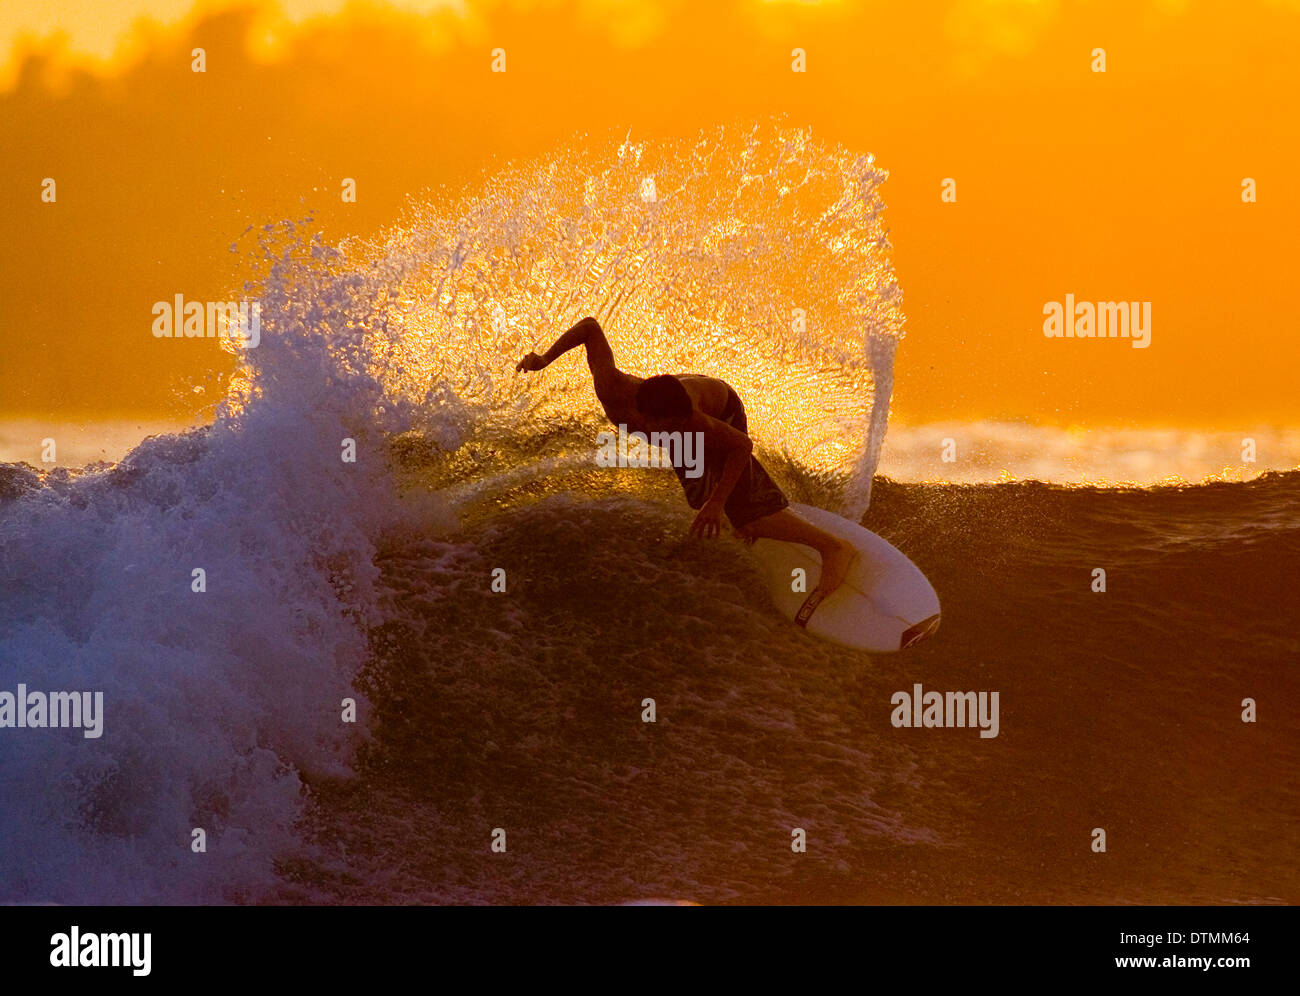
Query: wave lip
[{"x": 756, "y": 254}]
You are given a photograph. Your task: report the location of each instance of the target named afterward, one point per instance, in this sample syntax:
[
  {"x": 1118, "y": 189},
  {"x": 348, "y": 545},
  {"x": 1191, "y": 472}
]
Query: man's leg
[{"x": 837, "y": 554}]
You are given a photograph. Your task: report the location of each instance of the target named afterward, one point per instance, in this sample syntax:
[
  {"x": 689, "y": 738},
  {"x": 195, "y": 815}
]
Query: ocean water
[{"x": 756, "y": 255}]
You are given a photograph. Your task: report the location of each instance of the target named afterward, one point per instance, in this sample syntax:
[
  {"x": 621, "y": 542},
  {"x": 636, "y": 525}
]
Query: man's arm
[
  {"x": 740, "y": 446},
  {"x": 600, "y": 358}
]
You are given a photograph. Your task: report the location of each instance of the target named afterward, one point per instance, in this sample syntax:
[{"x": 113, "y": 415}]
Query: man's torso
[{"x": 708, "y": 394}]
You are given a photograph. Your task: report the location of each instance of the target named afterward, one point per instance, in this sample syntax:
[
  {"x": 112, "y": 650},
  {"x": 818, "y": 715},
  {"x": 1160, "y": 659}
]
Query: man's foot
[{"x": 836, "y": 566}]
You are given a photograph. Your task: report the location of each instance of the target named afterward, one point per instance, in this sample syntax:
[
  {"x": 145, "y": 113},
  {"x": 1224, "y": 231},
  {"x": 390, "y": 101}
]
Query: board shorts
[{"x": 755, "y": 494}]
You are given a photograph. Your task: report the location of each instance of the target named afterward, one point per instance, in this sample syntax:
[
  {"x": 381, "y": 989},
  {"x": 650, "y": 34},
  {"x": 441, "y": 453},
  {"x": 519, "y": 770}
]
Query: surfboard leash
[{"x": 807, "y": 609}]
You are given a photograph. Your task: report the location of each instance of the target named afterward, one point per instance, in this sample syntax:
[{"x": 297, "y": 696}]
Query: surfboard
[{"x": 885, "y": 604}]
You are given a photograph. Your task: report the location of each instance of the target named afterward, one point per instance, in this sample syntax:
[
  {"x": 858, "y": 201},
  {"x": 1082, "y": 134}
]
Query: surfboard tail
[{"x": 915, "y": 634}]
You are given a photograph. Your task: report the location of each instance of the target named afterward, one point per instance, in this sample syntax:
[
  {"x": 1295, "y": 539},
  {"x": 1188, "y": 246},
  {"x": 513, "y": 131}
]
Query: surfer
[{"x": 733, "y": 481}]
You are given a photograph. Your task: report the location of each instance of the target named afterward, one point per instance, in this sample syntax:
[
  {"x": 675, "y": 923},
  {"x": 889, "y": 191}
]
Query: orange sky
[{"x": 1122, "y": 185}]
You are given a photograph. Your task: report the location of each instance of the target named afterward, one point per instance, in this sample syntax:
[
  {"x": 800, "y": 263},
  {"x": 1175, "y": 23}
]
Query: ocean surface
[{"x": 521, "y": 710}]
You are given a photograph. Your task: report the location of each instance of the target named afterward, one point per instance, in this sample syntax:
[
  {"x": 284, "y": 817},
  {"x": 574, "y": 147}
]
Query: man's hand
[
  {"x": 708, "y": 523},
  {"x": 530, "y": 362}
]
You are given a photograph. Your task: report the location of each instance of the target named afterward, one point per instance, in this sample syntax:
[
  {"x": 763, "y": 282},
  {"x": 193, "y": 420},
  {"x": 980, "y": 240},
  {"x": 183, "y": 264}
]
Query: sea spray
[{"x": 761, "y": 258}]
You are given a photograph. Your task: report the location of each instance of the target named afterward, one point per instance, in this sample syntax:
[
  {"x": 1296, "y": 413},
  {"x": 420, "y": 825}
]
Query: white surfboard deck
[{"x": 885, "y": 604}]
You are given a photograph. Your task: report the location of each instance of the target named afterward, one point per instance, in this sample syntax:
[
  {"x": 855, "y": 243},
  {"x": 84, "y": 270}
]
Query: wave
[{"x": 754, "y": 254}]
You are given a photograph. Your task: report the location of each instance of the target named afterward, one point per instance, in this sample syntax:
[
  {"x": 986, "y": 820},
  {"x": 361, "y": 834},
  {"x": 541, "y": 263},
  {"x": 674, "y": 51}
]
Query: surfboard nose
[{"x": 917, "y": 633}]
